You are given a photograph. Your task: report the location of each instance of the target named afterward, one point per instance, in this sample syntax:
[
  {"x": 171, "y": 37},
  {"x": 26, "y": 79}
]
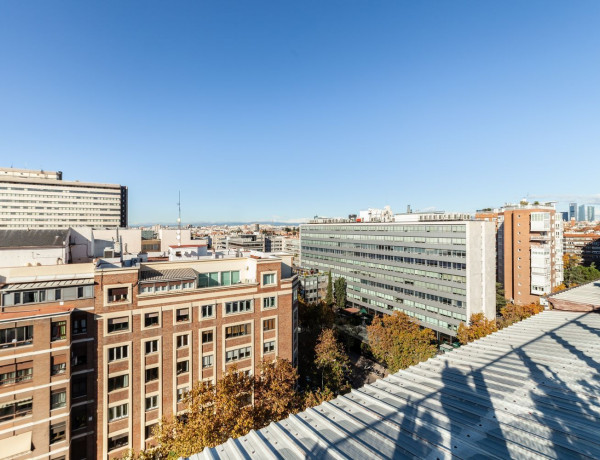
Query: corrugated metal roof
[
  {"x": 33, "y": 238},
  {"x": 586, "y": 293},
  {"x": 148, "y": 275},
  {"x": 531, "y": 390},
  {"x": 47, "y": 284}
]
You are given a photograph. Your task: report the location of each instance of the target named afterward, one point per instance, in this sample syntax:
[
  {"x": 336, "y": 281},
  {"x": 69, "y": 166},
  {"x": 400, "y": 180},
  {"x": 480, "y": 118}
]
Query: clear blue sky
[{"x": 286, "y": 109}]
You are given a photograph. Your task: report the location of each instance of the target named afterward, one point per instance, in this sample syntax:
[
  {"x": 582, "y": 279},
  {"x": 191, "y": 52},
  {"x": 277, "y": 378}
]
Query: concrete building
[
  {"x": 47, "y": 362},
  {"x": 313, "y": 287},
  {"x": 437, "y": 271},
  {"x": 529, "y": 249},
  {"x": 41, "y": 199},
  {"x": 250, "y": 242},
  {"x": 274, "y": 243},
  {"x": 92, "y": 358},
  {"x": 292, "y": 246},
  {"x": 20, "y": 248}
]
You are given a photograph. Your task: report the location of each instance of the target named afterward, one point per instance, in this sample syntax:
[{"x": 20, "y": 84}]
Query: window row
[
  {"x": 47, "y": 295},
  {"x": 214, "y": 279}
]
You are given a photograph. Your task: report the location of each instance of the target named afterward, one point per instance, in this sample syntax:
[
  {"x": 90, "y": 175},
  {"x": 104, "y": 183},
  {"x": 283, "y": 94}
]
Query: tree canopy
[
  {"x": 329, "y": 296},
  {"x": 340, "y": 292},
  {"x": 332, "y": 361},
  {"x": 399, "y": 341}
]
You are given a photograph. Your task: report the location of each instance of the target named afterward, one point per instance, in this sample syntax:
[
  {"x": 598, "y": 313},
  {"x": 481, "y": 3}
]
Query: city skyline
[{"x": 458, "y": 106}]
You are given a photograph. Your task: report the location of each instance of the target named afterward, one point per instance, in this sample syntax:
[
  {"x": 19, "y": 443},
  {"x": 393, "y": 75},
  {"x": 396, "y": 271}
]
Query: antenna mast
[{"x": 179, "y": 221}]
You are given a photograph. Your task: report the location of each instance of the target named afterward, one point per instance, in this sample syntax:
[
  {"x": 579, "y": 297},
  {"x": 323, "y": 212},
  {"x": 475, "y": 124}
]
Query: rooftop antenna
[{"x": 179, "y": 221}]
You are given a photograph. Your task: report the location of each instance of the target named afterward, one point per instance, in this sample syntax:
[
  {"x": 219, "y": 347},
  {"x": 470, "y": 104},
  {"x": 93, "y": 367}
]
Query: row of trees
[
  {"x": 575, "y": 273},
  {"x": 479, "y": 326}
]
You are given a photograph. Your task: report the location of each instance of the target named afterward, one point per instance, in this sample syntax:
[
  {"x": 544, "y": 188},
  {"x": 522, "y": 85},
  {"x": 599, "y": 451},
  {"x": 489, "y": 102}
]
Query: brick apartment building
[
  {"x": 88, "y": 371},
  {"x": 47, "y": 350},
  {"x": 529, "y": 249},
  {"x": 584, "y": 245}
]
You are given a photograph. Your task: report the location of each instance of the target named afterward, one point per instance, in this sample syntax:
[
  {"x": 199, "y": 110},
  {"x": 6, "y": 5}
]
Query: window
[
  {"x": 208, "y": 279},
  {"x": 240, "y": 353},
  {"x": 118, "y": 324},
  {"x": 79, "y": 326},
  {"x": 226, "y": 278},
  {"x": 16, "y": 336},
  {"x": 152, "y": 402},
  {"x": 181, "y": 393},
  {"x": 269, "y": 324},
  {"x": 183, "y": 367},
  {"x": 269, "y": 347},
  {"x": 78, "y": 357},
  {"x": 78, "y": 417},
  {"x": 238, "y": 306},
  {"x": 116, "y": 353},
  {"x": 207, "y": 336},
  {"x": 79, "y": 386},
  {"x": 268, "y": 279},
  {"x": 150, "y": 430},
  {"x": 118, "y": 412},
  {"x": 183, "y": 315},
  {"x": 182, "y": 341},
  {"x": 207, "y": 311},
  {"x": 207, "y": 361},
  {"x": 237, "y": 331},
  {"x": 118, "y": 383},
  {"x": 120, "y": 294},
  {"x": 16, "y": 409},
  {"x": 151, "y": 346},
  {"x": 58, "y": 330},
  {"x": 58, "y": 399},
  {"x": 151, "y": 319},
  {"x": 151, "y": 374},
  {"x": 269, "y": 302},
  {"x": 58, "y": 364},
  {"x": 118, "y": 441},
  {"x": 58, "y": 432}
]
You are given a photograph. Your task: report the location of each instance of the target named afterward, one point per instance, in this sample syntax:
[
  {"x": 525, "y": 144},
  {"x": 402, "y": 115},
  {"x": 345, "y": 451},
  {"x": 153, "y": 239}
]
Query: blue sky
[{"x": 283, "y": 110}]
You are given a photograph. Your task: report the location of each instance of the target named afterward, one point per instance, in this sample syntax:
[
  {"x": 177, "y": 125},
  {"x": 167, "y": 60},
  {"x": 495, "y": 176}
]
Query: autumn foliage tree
[
  {"x": 479, "y": 327},
  {"x": 332, "y": 361},
  {"x": 399, "y": 342},
  {"x": 226, "y": 410},
  {"x": 512, "y": 313}
]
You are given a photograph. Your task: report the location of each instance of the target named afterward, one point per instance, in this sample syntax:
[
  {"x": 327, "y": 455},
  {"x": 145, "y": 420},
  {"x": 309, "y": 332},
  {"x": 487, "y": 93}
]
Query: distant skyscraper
[
  {"x": 572, "y": 211},
  {"x": 565, "y": 216},
  {"x": 581, "y": 217},
  {"x": 590, "y": 213}
]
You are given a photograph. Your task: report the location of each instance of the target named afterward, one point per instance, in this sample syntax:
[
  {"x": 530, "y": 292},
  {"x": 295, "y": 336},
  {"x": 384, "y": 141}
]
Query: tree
[
  {"x": 500, "y": 297},
  {"x": 332, "y": 361},
  {"x": 215, "y": 413},
  {"x": 577, "y": 275},
  {"x": 314, "y": 398},
  {"x": 479, "y": 327},
  {"x": 340, "y": 292},
  {"x": 399, "y": 341},
  {"x": 329, "y": 296},
  {"x": 512, "y": 313},
  {"x": 225, "y": 410},
  {"x": 275, "y": 395}
]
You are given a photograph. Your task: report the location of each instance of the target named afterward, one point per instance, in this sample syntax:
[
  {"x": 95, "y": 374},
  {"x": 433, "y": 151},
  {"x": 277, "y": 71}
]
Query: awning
[
  {"x": 15, "y": 446},
  {"x": 47, "y": 284},
  {"x": 351, "y": 310}
]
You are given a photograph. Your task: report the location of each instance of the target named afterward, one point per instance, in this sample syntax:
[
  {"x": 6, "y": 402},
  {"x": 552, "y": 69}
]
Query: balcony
[{"x": 540, "y": 237}]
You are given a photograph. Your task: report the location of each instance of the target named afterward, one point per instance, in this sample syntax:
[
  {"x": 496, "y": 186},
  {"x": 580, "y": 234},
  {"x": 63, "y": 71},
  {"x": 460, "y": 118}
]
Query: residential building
[
  {"x": 292, "y": 246},
  {"x": 246, "y": 242},
  {"x": 163, "y": 327},
  {"x": 584, "y": 245},
  {"x": 529, "y": 249},
  {"x": 92, "y": 356},
  {"x": 572, "y": 211},
  {"x": 19, "y": 248},
  {"x": 41, "y": 199},
  {"x": 428, "y": 265},
  {"x": 47, "y": 362}
]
